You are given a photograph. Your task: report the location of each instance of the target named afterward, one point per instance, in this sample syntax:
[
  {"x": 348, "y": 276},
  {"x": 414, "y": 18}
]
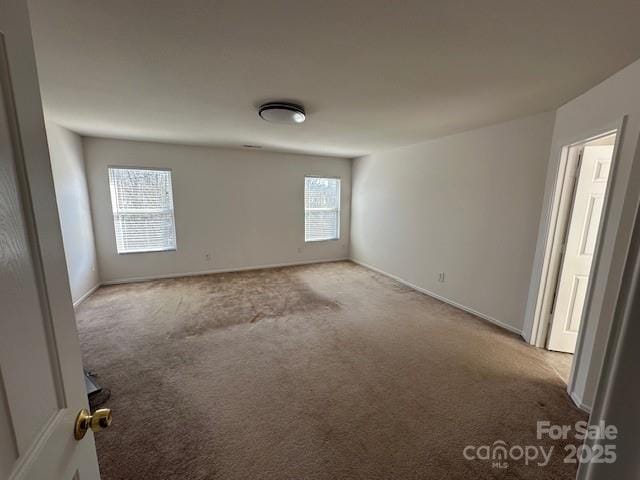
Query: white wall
[
  {"x": 244, "y": 208},
  {"x": 72, "y": 197},
  {"x": 598, "y": 109},
  {"x": 467, "y": 205}
]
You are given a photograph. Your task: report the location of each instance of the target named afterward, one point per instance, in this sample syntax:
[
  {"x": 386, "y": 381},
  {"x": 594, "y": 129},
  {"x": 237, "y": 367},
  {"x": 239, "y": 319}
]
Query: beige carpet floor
[
  {"x": 561, "y": 363},
  {"x": 327, "y": 371}
]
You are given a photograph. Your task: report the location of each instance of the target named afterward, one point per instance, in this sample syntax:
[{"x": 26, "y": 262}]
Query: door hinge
[
  {"x": 579, "y": 164},
  {"x": 553, "y": 304},
  {"x": 563, "y": 249}
]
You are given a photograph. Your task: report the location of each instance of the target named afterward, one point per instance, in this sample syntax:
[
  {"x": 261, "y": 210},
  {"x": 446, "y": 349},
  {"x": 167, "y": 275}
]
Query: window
[
  {"x": 142, "y": 203},
  {"x": 321, "y": 209}
]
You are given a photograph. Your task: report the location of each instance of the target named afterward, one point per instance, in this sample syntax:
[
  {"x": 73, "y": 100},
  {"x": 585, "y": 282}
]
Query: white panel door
[
  {"x": 41, "y": 383},
  {"x": 580, "y": 247}
]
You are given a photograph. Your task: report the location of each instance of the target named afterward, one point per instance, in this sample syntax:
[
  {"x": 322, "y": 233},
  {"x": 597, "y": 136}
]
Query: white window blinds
[
  {"x": 142, "y": 203},
  {"x": 321, "y": 209}
]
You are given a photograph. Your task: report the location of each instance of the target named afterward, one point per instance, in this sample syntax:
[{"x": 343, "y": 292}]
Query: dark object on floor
[{"x": 97, "y": 395}]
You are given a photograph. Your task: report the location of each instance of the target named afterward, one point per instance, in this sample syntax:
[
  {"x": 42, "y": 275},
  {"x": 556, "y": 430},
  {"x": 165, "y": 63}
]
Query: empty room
[{"x": 319, "y": 240}]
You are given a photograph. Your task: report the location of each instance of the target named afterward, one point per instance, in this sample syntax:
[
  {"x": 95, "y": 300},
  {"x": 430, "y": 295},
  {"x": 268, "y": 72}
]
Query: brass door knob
[{"x": 100, "y": 420}]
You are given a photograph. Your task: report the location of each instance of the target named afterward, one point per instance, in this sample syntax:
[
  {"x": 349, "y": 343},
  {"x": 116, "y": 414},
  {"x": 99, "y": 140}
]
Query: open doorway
[{"x": 583, "y": 189}]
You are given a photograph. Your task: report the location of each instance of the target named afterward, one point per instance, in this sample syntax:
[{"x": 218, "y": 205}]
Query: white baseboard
[
  {"x": 86, "y": 295},
  {"x": 219, "y": 270},
  {"x": 580, "y": 403},
  {"x": 441, "y": 298}
]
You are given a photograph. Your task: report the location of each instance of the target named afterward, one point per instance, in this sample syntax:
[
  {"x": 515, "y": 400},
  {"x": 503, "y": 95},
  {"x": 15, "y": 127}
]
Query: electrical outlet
[
  {"x": 299, "y": 249},
  {"x": 441, "y": 277}
]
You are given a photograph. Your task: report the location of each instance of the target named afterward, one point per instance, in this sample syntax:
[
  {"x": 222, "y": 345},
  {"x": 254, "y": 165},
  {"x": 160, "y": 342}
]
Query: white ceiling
[{"x": 373, "y": 74}]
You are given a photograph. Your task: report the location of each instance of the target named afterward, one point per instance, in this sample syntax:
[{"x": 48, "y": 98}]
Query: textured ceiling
[{"x": 373, "y": 74}]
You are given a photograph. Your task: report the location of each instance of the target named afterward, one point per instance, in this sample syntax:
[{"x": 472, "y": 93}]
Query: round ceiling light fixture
[{"x": 282, "y": 112}]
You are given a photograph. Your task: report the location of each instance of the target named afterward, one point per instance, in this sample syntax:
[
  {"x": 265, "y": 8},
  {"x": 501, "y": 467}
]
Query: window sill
[
  {"x": 148, "y": 251},
  {"x": 322, "y": 240}
]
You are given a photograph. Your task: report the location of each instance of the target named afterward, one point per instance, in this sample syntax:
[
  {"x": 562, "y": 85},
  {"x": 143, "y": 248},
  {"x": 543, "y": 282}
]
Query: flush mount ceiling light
[{"x": 282, "y": 112}]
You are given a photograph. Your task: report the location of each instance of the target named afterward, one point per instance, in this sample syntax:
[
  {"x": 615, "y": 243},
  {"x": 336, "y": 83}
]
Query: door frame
[{"x": 556, "y": 220}]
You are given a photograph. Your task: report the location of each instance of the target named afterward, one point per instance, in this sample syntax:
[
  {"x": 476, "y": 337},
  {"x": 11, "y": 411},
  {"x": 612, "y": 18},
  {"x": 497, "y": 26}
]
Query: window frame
[
  {"x": 339, "y": 209},
  {"x": 175, "y": 227}
]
